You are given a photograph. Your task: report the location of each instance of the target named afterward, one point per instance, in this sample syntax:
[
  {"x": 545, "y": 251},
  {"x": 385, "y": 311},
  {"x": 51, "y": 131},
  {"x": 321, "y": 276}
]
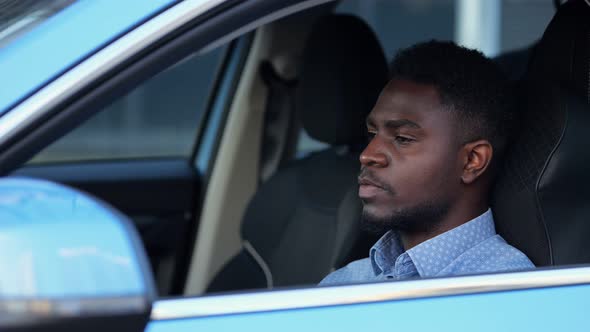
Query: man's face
[{"x": 410, "y": 170}]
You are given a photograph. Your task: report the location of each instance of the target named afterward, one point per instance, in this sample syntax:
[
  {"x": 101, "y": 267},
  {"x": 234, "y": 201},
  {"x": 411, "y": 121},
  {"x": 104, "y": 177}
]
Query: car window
[
  {"x": 156, "y": 120},
  {"x": 160, "y": 118}
]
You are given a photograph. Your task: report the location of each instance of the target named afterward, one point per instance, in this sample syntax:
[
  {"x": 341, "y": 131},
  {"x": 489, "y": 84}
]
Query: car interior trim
[
  {"x": 286, "y": 299},
  {"x": 215, "y": 121},
  {"x": 100, "y": 63},
  {"x": 226, "y": 185}
]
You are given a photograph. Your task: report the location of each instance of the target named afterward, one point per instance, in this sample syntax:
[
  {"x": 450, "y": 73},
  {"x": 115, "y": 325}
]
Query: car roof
[{"x": 42, "y": 54}]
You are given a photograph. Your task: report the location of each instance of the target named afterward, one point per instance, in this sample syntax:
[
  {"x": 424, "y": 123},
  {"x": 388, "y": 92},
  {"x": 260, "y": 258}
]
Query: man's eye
[
  {"x": 403, "y": 139},
  {"x": 370, "y": 136}
]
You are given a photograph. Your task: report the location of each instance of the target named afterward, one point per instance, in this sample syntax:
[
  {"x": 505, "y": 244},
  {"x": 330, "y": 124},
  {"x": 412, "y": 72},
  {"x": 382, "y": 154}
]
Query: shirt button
[{"x": 389, "y": 277}]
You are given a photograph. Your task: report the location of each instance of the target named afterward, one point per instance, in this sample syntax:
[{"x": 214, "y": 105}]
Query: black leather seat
[
  {"x": 303, "y": 221},
  {"x": 542, "y": 198},
  {"x": 515, "y": 63}
]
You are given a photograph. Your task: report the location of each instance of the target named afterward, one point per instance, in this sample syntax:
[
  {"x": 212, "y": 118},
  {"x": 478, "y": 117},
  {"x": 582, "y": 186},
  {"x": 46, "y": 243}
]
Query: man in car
[{"x": 437, "y": 133}]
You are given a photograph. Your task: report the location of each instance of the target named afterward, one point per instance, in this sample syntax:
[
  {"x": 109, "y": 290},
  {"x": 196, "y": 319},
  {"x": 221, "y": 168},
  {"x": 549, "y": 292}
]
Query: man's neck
[{"x": 455, "y": 218}]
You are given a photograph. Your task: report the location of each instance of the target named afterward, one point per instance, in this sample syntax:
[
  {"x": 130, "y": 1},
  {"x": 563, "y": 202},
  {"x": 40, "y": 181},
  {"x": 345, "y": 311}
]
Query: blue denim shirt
[{"x": 473, "y": 247}]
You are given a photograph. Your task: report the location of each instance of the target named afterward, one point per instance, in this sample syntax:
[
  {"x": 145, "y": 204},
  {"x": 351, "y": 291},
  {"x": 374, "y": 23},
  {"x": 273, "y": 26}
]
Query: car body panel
[
  {"x": 545, "y": 309},
  {"x": 63, "y": 40}
]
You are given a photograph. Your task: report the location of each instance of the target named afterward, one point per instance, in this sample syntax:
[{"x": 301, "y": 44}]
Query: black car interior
[
  {"x": 539, "y": 197},
  {"x": 540, "y": 201},
  {"x": 303, "y": 221}
]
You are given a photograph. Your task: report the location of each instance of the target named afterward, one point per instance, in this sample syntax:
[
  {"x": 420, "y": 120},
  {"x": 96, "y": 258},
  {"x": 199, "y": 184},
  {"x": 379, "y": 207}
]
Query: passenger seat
[{"x": 303, "y": 221}]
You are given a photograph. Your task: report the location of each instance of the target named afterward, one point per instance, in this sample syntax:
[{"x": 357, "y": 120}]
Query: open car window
[
  {"x": 234, "y": 230},
  {"x": 163, "y": 117}
]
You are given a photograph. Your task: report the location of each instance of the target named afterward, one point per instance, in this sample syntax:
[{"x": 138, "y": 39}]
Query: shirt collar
[
  {"x": 432, "y": 256},
  {"x": 384, "y": 252}
]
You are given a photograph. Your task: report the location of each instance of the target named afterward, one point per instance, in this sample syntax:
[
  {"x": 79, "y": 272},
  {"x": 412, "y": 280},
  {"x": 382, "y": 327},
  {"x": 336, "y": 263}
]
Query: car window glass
[{"x": 160, "y": 118}]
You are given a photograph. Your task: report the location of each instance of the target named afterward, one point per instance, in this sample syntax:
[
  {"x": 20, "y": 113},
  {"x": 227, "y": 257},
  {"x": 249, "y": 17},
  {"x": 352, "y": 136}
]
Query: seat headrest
[
  {"x": 342, "y": 74},
  {"x": 541, "y": 197},
  {"x": 562, "y": 55}
]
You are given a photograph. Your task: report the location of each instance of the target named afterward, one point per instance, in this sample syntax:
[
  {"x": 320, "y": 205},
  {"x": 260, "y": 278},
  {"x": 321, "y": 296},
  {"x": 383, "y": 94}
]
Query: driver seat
[{"x": 541, "y": 197}]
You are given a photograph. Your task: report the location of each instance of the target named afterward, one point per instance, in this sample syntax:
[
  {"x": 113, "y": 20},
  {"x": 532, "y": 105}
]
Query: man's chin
[
  {"x": 418, "y": 219},
  {"x": 375, "y": 224}
]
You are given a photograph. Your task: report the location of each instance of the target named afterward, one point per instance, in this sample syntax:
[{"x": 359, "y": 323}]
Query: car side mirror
[{"x": 69, "y": 262}]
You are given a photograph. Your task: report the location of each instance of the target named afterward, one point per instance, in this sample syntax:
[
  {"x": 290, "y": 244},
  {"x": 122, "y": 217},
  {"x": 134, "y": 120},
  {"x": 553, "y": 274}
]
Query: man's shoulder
[
  {"x": 492, "y": 255},
  {"x": 357, "y": 271}
]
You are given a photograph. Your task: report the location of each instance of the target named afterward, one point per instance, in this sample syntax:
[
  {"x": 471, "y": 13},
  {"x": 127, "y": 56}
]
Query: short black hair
[{"x": 469, "y": 84}]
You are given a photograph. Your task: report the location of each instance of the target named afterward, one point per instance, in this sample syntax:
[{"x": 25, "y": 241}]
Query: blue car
[{"x": 192, "y": 165}]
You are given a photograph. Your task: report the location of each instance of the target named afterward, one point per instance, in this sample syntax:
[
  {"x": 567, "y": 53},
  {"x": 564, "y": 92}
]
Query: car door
[
  {"x": 139, "y": 153},
  {"x": 196, "y": 28},
  {"x": 156, "y": 170},
  {"x": 543, "y": 300}
]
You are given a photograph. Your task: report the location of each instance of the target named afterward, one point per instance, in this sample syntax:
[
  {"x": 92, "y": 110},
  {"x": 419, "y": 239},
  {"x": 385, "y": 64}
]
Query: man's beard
[{"x": 418, "y": 219}]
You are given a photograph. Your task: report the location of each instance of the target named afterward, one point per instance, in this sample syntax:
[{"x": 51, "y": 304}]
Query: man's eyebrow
[{"x": 395, "y": 124}]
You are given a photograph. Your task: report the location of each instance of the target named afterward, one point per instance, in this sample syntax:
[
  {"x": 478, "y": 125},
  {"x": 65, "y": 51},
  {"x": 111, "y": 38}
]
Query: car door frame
[{"x": 21, "y": 138}]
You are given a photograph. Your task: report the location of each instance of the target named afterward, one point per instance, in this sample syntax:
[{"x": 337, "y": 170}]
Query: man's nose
[{"x": 372, "y": 155}]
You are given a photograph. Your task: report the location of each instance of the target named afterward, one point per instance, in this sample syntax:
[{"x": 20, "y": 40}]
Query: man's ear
[{"x": 477, "y": 156}]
